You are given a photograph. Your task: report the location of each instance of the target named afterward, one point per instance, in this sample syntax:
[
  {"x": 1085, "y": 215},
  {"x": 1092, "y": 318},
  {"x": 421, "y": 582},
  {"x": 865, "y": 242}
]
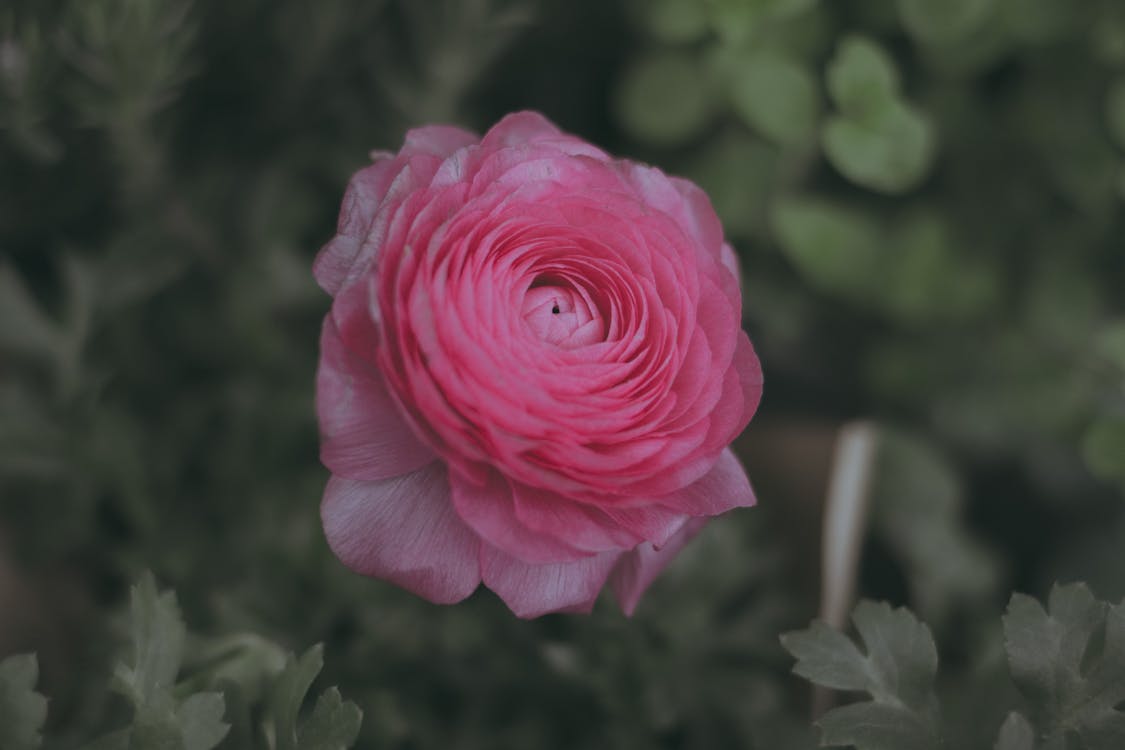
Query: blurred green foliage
[{"x": 926, "y": 196}]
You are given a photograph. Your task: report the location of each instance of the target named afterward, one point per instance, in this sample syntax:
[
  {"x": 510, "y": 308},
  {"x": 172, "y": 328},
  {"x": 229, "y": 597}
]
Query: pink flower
[{"x": 531, "y": 371}]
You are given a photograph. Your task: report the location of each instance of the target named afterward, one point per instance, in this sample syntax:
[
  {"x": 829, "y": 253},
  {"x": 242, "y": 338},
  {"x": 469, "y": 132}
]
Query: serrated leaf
[
  {"x": 158, "y": 640},
  {"x": 1055, "y": 663},
  {"x": 834, "y": 248},
  {"x": 890, "y": 152},
  {"x": 877, "y": 726},
  {"x": 289, "y": 693},
  {"x": 777, "y": 97},
  {"x": 333, "y": 725},
  {"x": 901, "y": 652},
  {"x": 22, "y": 710},
  {"x": 1016, "y": 734},
  {"x": 827, "y": 657},
  {"x": 898, "y": 671},
  {"x": 201, "y": 721},
  {"x": 862, "y": 78}
]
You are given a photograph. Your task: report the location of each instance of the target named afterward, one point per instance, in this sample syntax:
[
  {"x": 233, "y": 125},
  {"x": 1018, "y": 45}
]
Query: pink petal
[
  {"x": 522, "y": 128},
  {"x": 581, "y": 526},
  {"x": 722, "y": 488},
  {"x": 637, "y": 569},
  {"x": 489, "y": 510},
  {"x": 518, "y": 128},
  {"x": 533, "y": 590},
  {"x": 363, "y": 436},
  {"x": 365, "y": 192},
  {"x": 700, "y": 214},
  {"x": 404, "y": 530},
  {"x": 437, "y": 140}
]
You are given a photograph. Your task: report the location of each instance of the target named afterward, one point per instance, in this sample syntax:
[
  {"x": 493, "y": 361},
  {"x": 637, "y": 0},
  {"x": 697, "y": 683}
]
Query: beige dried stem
[{"x": 845, "y": 522}]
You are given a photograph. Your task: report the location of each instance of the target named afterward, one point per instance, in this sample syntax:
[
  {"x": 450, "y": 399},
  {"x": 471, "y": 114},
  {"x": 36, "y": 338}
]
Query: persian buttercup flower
[{"x": 531, "y": 371}]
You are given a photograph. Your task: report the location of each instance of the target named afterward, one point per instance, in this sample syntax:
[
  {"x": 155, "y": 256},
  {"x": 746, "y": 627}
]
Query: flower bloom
[{"x": 531, "y": 371}]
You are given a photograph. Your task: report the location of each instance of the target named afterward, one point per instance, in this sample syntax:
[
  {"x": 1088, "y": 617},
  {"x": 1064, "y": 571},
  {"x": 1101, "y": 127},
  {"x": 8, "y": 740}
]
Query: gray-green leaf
[
  {"x": 898, "y": 671},
  {"x": 877, "y": 726},
  {"x": 333, "y": 725},
  {"x": 22, "y": 710},
  {"x": 200, "y": 718},
  {"x": 1016, "y": 734},
  {"x": 1072, "y": 685},
  {"x": 158, "y": 641}
]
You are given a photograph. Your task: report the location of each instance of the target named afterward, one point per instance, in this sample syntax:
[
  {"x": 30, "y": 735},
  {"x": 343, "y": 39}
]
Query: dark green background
[{"x": 927, "y": 199}]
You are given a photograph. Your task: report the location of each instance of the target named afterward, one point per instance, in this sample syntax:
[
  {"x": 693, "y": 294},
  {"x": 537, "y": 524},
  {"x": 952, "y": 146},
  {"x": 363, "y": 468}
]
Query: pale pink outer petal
[
  {"x": 437, "y": 140},
  {"x": 532, "y": 590},
  {"x": 721, "y": 489},
  {"x": 404, "y": 530},
  {"x": 368, "y": 189},
  {"x": 520, "y": 128},
  {"x": 363, "y": 436},
  {"x": 490, "y": 511},
  {"x": 637, "y": 569}
]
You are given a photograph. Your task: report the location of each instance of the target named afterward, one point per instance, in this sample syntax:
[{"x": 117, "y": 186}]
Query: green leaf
[
  {"x": 898, "y": 671},
  {"x": 739, "y": 19},
  {"x": 158, "y": 640},
  {"x": 24, "y": 327},
  {"x": 877, "y": 726},
  {"x": 22, "y": 710},
  {"x": 673, "y": 21},
  {"x": 1016, "y": 734},
  {"x": 1110, "y": 343},
  {"x": 1069, "y": 663},
  {"x": 835, "y": 249},
  {"x": 200, "y": 718},
  {"x": 862, "y": 78},
  {"x": 1103, "y": 448},
  {"x": 943, "y": 21},
  {"x": 1115, "y": 111},
  {"x": 737, "y": 171},
  {"x": 289, "y": 693},
  {"x": 889, "y": 152},
  {"x": 827, "y": 657},
  {"x": 901, "y": 652},
  {"x": 334, "y": 724},
  {"x": 930, "y": 279},
  {"x": 776, "y": 97},
  {"x": 118, "y": 740},
  {"x": 665, "y": 99}
]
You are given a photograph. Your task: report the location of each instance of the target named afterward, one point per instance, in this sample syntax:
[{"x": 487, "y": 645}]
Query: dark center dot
[{"x": 555, "y": 309}]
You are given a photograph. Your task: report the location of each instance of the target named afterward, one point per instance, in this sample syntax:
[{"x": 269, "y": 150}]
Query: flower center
[{"x": 557, "y": 314}]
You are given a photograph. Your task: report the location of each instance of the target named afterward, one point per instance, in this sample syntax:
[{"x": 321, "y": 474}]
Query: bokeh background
[{"x": 927, "y": 198}]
